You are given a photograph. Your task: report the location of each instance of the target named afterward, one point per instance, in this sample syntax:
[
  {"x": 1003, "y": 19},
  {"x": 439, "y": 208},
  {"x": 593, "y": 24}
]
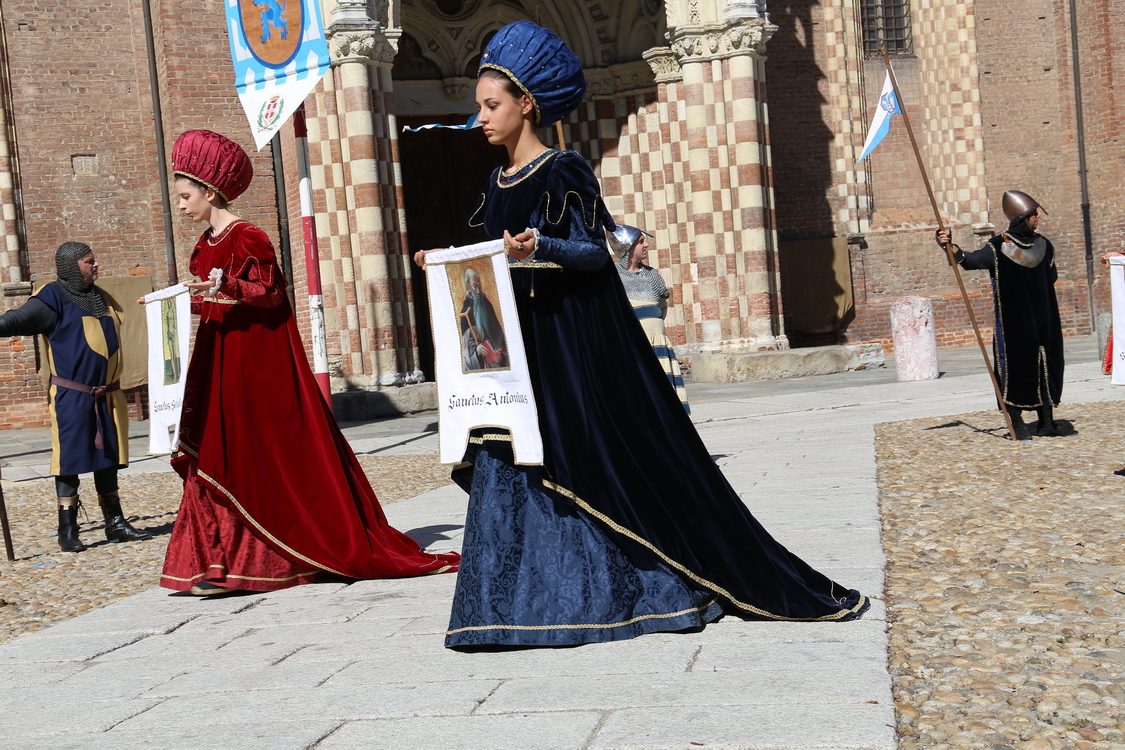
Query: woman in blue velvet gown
[{"x": 628, "y": 527}]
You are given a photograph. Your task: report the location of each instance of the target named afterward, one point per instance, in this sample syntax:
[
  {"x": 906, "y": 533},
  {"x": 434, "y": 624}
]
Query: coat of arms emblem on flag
[{"x": 280, "y": 54}]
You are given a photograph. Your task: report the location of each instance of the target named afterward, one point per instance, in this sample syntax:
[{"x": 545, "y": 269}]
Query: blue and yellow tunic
[{"x": 86, "y": 350}]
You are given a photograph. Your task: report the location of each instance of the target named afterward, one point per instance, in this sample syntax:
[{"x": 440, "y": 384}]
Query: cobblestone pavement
[
  {"x": 1005, "y": 581},
  {"x": 43, "y": 586}
]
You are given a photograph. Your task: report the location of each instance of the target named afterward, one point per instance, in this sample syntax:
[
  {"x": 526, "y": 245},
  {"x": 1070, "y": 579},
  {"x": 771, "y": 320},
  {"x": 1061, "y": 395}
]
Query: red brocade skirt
[{"x": 212, "y": 543}]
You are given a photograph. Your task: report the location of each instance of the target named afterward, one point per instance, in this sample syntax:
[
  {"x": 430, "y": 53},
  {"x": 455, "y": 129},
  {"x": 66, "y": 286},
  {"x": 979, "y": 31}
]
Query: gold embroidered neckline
[
  {"x": 505, "y": 180},
  {"x": 216, "y": 239}
]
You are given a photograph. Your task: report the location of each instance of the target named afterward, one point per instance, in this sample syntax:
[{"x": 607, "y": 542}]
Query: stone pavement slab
[
  {"x": 257, "y": 735},
  {"x": 362, "y": 666}
]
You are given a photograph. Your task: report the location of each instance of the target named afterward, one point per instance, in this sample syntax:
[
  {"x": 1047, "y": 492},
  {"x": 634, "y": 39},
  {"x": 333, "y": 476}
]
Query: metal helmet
[
  {"x": 622, "y": 239},
  {"x": 1017, "y": 205}
]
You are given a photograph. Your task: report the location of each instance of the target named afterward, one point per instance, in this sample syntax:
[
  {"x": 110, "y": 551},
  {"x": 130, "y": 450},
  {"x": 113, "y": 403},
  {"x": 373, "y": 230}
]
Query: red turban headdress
[{"x": 213, "y": 160}]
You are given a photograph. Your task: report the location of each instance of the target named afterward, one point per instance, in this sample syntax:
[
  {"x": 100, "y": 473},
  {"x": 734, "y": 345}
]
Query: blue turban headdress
[{"x": 541, "y": 65}]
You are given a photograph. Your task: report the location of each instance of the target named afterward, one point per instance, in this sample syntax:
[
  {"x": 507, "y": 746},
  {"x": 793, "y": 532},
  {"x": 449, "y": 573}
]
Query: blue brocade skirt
[{"x": 536, "y": 571}]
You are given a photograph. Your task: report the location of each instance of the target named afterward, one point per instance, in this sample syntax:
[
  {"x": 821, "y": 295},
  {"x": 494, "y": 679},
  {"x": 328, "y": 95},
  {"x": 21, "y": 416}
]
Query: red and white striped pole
[{"x": 312, "y": 258}]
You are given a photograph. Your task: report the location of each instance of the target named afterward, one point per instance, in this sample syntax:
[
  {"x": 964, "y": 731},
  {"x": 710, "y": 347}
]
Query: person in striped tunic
[{"x": 649, "y": 295}]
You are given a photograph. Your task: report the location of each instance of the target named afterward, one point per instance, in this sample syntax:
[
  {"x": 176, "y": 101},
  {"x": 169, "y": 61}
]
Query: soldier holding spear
[
  {"x": 1028, "y": 335},
  {"x": 1028, "y": 346}
]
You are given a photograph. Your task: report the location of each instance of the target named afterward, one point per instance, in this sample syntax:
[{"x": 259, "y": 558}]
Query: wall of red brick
[
  {"x": 1103, "y": 66},
  {"x": 88, "y": 147},
  {"x": 1030, "y": 143},
  {"x": 1027, "y": 105},
  {"x": 801, "y": 140}
]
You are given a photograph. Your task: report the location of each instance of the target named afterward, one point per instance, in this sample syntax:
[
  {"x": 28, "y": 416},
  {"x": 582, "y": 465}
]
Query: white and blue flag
[
  {"x": 472, "y": 123},
  {"x": 881, "y": 122},
  {"x": 279, "y": 54}
]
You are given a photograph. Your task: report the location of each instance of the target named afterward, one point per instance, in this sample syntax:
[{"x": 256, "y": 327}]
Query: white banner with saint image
[
  {"x": 168, "y": 312},
  {"x": 1117, "y": 288},
  {"x": 481, "y": 365}
]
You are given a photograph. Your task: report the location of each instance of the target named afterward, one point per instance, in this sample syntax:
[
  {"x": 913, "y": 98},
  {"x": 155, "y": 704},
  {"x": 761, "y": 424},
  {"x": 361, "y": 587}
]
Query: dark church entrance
[{"x": 443, "y": 172}]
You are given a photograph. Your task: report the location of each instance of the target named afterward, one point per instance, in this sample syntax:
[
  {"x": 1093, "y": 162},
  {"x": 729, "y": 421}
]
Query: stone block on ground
[{"x": 912, "y": 325}]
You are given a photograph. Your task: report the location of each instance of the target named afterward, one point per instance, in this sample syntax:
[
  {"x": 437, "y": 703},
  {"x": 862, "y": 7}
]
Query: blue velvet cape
[{"x": 619, "y": 448}]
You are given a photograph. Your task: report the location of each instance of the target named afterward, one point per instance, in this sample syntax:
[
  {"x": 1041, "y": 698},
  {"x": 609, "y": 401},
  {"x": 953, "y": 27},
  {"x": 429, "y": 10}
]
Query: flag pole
[
  {"x": 312, "y": 258},
  {"x": 949, "y": 247}
]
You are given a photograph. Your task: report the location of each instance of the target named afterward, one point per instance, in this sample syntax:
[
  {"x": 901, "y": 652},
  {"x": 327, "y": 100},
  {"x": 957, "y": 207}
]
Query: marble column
[
  {"x": 727, "y": 247},
  {"x": 368, "y": 236}
]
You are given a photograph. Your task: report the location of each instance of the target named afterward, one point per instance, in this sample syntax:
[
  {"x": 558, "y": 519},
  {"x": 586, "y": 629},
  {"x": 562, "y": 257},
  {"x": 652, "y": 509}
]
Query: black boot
[
  {"x": 1022, "y": 433},
  {"x": 68, "y": 528},
  {"x": 117, "y": 529},
  {"x": 1047, "y": 424}
]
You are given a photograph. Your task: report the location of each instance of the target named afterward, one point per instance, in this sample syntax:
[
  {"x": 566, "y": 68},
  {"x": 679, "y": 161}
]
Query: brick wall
[
  {"x": 1103, "y": 66},
  {"x": 990, "y": 110},
  {"x": 1028, "y": 113},
  {"x": 87, "y": 145}
]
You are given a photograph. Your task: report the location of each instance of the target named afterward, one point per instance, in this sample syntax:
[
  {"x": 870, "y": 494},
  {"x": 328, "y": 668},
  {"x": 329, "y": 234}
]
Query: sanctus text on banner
[
  {"x": 280, "y": 54},
  {"x": 168, "y": 313},
  {"x": 481, "y": 366}
]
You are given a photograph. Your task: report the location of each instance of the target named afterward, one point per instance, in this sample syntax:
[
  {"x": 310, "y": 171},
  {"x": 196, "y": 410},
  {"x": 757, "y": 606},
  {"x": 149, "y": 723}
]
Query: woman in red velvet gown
[{"x": 273, "y": 494}]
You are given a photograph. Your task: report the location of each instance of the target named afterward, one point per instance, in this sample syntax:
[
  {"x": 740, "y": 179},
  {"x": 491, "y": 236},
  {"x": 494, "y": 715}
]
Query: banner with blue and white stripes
[
  {"x": 280, "y": 54},
  {"x": 881, "y": 122}
]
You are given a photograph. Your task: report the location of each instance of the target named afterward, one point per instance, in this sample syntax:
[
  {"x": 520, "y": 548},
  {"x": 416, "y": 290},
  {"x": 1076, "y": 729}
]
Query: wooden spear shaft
[
  {"x": 6, "y": 529},
  {"x": 949, "y": 248}
]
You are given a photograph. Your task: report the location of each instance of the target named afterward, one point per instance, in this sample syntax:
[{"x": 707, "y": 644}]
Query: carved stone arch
[
  {"x": 571, "y": 20},
  {"x": 436, "y": 43},
  {"x": 637, "y": 30},
  {"x": 482, "y": 24}
]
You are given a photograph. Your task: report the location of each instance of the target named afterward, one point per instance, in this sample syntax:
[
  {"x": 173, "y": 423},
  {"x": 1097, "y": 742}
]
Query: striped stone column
[
  {"x": 729, "y": 244},
  {"x": 366, "y": 198}
]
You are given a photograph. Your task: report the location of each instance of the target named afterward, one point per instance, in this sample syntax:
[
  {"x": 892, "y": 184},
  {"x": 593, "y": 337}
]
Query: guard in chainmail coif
[
  {"x": 89, "y": 418},
  {"x": 74, "y": 288}
]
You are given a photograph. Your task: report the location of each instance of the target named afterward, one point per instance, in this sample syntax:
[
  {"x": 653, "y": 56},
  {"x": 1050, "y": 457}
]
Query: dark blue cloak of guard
[
  {"x": 1028, "y": 345},
  {"x": 629, "y": 527}
]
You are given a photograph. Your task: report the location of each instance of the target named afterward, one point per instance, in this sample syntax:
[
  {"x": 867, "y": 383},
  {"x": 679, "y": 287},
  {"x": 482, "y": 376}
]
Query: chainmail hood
[{"x": 69, "y": 279}]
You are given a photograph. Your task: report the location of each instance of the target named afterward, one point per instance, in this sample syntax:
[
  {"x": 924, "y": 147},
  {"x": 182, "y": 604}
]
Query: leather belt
[{"x": 98, "y": 392}]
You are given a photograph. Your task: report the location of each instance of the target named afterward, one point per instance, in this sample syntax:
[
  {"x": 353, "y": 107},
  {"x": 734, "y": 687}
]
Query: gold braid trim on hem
[
  {"x": 442, "y": 569},
  {"x": 198, "y": 576},
  {"x": 585, "y": 626},
  {"x": 534, "y": 264},
  {"x": 260, "y": 528},
  {"x": 685, "y": 571},
  {"x": 491, "y": 437},
  {"x": 183, "y": 448}
]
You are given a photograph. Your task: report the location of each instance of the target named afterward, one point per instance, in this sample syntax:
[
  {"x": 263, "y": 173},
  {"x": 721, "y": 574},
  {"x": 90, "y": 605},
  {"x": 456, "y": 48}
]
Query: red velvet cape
[{"x": 257, "y": 429}]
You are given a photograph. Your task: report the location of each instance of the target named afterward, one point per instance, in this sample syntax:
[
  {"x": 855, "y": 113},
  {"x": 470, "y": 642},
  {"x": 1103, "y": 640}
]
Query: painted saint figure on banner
[
  {"x": 483, "y": 343},
  {"x": 171, "y": 325}
]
